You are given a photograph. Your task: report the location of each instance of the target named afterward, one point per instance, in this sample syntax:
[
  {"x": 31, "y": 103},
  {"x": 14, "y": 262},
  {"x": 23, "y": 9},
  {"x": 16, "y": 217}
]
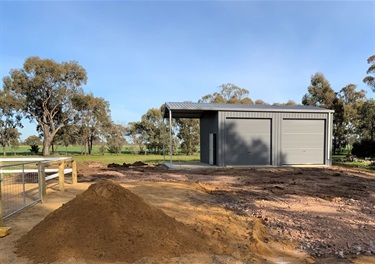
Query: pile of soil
[
  {"x": 127, "y": 165},
  {"x": 108, "y": 223}
]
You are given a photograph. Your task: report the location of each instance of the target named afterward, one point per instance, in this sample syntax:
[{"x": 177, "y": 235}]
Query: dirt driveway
[{"x": 250, "y": 215}]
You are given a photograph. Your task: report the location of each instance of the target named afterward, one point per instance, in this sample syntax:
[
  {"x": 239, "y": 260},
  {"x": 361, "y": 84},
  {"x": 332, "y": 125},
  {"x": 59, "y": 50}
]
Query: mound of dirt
[
  {"x": 108, "y": 223},
  {"x": 127, "y": 165}
]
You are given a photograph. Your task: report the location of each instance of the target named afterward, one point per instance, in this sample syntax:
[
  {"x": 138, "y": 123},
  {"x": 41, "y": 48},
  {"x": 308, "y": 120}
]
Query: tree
[
  {"x": 14, "y": 145},
  {"x": 260, "y": 102},
  {"x": 188, "y": 133},
  {"x": 9, "y": 137},
  {"x": 289, "y": 103},
  {"x": 66, "y": 136},
  {"x": 339, "y": 127},
  {"x": 33, "y": 140},
  {"x": 370, "y": 80},
  {"x": 137, "y": 134},
  {"x": 353, "y": 101},
  {"x": 92, "y": 116},
  {"x": 115, "y": 138},
  {"x": 367, "y": 117},
  {"x": 10, "y": 120},
  {"x": 347, "y": 105},
  {"x": 229, "y": 94},
  {"x": 152, "y": 124},
  {"x": 150, "y": 133},
  {"x": 320, "y": 93},
  {"x": 44, "y": 90}
]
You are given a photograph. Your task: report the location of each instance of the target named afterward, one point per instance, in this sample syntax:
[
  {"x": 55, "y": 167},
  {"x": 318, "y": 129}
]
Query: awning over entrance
[{"x": 182, "y": 110}]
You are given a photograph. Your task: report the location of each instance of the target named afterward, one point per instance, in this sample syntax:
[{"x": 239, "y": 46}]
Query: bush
[
  {"x": 114, "y": 148},
  {"x": 365, "y": 148},
  {"x": 102, "y": 149},
  {"x": 34, "y": 149}
]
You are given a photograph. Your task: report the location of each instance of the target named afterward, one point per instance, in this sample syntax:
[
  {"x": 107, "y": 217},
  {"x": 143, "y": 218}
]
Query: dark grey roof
[{"x": 195, "y": 110}]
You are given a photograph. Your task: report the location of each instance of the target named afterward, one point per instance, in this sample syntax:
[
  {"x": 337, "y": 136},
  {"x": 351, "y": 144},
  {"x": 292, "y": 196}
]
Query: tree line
[{"x": 51, "y": 94}]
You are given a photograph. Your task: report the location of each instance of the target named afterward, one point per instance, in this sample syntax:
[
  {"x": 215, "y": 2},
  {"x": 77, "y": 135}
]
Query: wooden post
[
  {"x": 42, "y": 181},
  {"x": 74, "y": 172},
  {"x": 61, "y": 175}
]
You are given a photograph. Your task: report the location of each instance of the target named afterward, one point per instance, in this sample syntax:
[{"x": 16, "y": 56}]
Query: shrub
[
  {"x": 364, "y": 148},
  {"x": 34, "y": 149}
]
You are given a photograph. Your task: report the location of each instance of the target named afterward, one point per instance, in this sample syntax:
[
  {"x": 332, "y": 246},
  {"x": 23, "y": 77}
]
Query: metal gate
[{"x": 20, "y": 187}]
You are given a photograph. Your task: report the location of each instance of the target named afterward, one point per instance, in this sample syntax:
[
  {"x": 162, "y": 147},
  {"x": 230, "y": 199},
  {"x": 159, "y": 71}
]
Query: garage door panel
[
  {"x": 298, "y": 141},
  {"x": 303, "y": 156},
  {"x": 247, "y": 141},
  {"x": 303, "y": 126},
  {"x": 303, "y": 141}
]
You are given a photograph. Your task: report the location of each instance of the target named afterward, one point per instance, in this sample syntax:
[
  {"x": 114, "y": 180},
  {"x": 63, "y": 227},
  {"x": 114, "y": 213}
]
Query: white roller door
[{"x": 302, "y": 141}]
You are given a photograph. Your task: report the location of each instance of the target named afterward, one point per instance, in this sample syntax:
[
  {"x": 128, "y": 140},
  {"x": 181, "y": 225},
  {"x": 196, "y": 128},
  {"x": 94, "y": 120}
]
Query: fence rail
[{"x": 24, "y": 184}]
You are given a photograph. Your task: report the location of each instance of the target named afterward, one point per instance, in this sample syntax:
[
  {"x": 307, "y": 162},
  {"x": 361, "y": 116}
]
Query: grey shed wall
[{"x": 267, "y": 138}]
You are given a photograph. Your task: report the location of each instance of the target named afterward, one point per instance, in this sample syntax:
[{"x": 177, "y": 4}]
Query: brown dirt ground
[{"x": 247, "y": 215}]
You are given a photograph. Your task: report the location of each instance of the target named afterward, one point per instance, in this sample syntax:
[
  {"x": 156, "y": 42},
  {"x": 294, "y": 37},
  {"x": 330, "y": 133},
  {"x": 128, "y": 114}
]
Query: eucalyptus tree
[
  {"x": 260, "y": 102},
  {"x": 91, "y": 117},
  {"x": 188, "y": 133},
  {"x": 370, "y": 79},
  {"x": 10, "y": 120},
  {"x": 152, "y": 124},
  {"x": 229, "y": 94},
  {"x": 289, "y": 103},
  {"x": 150, "y": 133},
  {"x": 320, "y": 93},
  {"x": 44, "y": 90},
  {"x": 135, "y": 131},
  {"x": 367, "y": 117},
  {"x": 115, "y": 138}
]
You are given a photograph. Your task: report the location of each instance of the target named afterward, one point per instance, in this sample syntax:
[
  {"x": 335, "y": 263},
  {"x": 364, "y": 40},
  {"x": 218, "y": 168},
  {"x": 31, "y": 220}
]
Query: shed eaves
[{"x": 195, "y": 110}]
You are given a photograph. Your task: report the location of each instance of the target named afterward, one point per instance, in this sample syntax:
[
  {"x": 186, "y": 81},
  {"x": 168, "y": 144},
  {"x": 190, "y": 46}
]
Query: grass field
[
  {"x": 131, "y": 158},
  {"x": 128, "y": 155}
]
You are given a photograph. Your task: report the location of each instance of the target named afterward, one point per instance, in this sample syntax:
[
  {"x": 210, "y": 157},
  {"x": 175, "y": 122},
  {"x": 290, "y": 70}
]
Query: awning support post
[
  {"x": 164, "y": 125},
  {"x": 170, "y": 135}
]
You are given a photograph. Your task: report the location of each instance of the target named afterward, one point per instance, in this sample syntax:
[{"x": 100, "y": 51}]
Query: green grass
[
  {"x": 131, "y": 158},
  {"x": 126, "y": 156},
  {"x": 356, "y": 164}
]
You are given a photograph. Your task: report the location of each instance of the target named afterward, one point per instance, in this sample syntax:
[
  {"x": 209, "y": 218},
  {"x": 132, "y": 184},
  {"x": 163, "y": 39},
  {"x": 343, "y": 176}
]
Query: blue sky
[{"x": 140, "y": 54}]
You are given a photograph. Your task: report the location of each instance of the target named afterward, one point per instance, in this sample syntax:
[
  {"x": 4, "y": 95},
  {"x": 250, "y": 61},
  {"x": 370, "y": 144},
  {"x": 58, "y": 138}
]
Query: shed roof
[{"x": 195, "y": 110}]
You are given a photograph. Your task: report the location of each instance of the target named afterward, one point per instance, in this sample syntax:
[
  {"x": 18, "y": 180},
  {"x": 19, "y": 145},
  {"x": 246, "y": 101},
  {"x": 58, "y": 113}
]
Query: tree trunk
[
  {"x": 4, "y": 151},
  {"x": 46, "y": 145},
  {"x": 45, "y": 150},
  {"x": 91, "y": 142}
]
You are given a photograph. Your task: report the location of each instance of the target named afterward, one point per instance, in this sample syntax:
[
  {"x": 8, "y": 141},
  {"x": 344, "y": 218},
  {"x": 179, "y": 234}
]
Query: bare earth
[{"x": 248, "y": 215}]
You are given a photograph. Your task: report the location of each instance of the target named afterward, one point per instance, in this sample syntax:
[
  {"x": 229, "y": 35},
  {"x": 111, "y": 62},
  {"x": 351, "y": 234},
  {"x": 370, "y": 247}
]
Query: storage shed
[{"x": 259, "y": 135}]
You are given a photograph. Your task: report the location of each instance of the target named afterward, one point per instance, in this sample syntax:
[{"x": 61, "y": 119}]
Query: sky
[{"x": 140, "y": 54}]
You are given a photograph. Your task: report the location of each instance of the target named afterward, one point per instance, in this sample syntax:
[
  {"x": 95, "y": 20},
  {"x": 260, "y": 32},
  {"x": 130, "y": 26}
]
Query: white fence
[{"x": 23, "y": 181}]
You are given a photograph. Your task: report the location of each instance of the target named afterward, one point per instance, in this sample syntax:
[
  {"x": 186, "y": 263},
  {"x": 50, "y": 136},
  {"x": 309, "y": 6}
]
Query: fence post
[
  {"x": 61, "y": 175},
  {"x": 74, "y": 172},
  {"x": 42, "y": 181}
]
